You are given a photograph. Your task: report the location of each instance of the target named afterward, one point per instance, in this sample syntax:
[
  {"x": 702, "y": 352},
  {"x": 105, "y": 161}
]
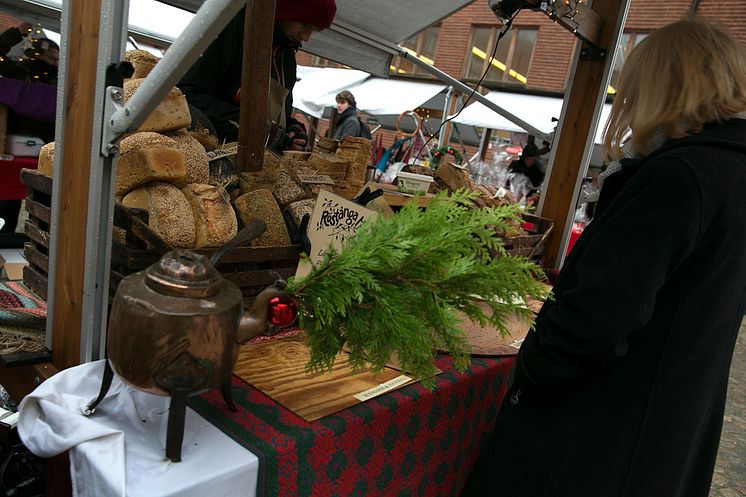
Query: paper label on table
[
  {"x": 383, "y": 388},
  {"x": 334, "y": 221},
  {"x": 516, "y": 344},
  {"x": 222, "y": 152},
  {"x": 316, "y": 179}
]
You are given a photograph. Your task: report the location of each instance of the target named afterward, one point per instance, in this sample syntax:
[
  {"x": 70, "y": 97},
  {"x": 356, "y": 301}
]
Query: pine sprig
[{"x": 396, "y": 287}]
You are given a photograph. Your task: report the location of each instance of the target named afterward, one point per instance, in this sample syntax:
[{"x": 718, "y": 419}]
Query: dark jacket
[
  {"x": 348, "y": 124},
  {"x": 620, "y": 391},
  {"x": 533, "y": 173},
  {"x": 23, "y": 69},
  {"x": 213, "y": 82}
]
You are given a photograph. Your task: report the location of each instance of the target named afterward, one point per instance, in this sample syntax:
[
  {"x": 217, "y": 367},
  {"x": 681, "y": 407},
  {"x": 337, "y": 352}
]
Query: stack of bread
[
  {"x": 356, "y": 151},
  {"x": 164, "y": 169}
]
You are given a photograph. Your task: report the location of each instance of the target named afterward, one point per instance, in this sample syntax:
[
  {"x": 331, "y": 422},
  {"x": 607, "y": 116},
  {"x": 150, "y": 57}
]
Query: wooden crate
[
  {"x": 251, "y": 268},
  {"x": 533, "y": 243}
]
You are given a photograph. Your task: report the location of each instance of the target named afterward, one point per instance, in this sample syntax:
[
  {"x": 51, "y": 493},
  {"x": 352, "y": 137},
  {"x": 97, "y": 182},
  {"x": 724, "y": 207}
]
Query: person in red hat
[{"x": 213, "y": 83}]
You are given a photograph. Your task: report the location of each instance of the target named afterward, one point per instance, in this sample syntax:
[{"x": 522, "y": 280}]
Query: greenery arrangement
[{"x": 396, "y": 287}]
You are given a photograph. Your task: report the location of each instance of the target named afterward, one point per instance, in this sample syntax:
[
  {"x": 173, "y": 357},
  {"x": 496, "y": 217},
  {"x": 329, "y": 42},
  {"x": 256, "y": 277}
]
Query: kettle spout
[{"x": 254, "y": 321}]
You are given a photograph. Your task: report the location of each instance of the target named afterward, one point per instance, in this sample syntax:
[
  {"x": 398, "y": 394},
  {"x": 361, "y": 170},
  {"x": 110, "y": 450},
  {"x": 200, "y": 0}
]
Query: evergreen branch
[{"x": 396, "y": 288}]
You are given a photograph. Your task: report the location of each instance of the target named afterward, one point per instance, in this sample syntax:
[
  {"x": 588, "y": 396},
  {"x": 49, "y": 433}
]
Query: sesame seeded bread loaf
[
  {"x": 214, "y": 219},
  {"x": 260, "y": 204},
  {"x": 146, "y": 157},
  {"x": 46, "y": 159},
  {"x": 169, "y": 212},
  {"x": 171, "y": 114},
  {"x": 196, "y": 163},
  {"x": 142, "y": 60}
]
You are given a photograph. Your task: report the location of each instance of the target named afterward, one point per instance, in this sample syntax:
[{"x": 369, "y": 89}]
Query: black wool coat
[
  {"x": 213, "y": 81},
  {"x": 620, "y": 390}
]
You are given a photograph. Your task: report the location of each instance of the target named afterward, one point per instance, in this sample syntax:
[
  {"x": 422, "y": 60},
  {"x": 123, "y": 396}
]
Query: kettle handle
[{"x": 252, "y": 230}]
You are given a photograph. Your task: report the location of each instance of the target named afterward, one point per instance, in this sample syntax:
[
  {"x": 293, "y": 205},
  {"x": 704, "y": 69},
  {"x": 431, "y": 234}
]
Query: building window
[
  {"x": 322, "y": 62},
  {"x": 423, "y": 46},
  {"x": 512, "y": 58},
  {"x": 627, "y": 42}
]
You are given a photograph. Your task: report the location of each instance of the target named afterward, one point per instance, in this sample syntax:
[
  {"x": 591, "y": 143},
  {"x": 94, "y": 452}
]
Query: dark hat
[
  {"x": 531, "y": 150},
  {"x": 318, "y": 13}
]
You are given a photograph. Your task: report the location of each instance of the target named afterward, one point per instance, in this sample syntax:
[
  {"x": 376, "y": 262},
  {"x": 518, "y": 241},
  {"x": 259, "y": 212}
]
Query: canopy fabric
[
  {"x": 317, "y": 88},
  {"x": 392, "y": 21},
  {"x": 535, "y": 110}
]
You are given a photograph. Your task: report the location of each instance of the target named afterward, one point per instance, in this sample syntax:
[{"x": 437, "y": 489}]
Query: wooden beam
[
  {"x": 257, "y": 56},
  {"x": 578, "y": 18},
  {"x": 585, "y": 94},
  {"x": 77, "y": 138}
]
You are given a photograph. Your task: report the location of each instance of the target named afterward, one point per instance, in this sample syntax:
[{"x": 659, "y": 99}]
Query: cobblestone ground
[{"x": 729, "y": 479}]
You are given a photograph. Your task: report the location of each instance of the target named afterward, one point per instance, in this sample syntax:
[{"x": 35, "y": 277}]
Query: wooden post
[
  {"x": 257, "y": 57},
  {"x": 585, "y": 95},
  {"x": 77, "y": 139}
]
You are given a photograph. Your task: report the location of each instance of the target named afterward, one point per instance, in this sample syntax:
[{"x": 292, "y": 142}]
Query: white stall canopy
[
  {"x": 534, "y": 109},
  {"x": 317, "y": 88},
  {"x": 391, "y": 21}
]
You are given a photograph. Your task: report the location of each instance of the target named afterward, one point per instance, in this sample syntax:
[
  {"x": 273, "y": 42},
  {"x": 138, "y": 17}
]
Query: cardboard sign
[
  {"x": 316, "y": 179},
  {"x": 335, "y": 220}
]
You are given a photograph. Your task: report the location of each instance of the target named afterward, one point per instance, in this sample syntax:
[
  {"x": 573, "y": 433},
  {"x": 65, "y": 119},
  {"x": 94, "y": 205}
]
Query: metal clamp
[{"x": 113, "y": 101}]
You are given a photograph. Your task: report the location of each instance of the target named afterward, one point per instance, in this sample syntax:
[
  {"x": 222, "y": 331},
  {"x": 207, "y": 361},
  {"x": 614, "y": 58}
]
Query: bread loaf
[
  {"x": 46, "y": 159},
  {"x": 142, "y": 61},
  {"x": 169, "y": 212},
  {"x": 260, "y": 204},
  {"x": 214, "y": 219},
  {"x": 171, "y": 114},
  {"x": 146, "y": 157},
  {"x": 196, "y": 163}
]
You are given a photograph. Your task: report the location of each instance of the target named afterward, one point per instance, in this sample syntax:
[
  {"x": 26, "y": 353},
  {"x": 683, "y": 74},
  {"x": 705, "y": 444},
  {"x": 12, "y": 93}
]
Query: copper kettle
[{"x": 175, "y": 330}]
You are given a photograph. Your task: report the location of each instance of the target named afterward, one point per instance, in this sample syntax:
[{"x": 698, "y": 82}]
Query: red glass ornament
[{"x": 282, "y": 311}]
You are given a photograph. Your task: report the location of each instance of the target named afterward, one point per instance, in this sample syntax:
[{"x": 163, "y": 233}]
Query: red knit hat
[{"x": 314, "y": 12}]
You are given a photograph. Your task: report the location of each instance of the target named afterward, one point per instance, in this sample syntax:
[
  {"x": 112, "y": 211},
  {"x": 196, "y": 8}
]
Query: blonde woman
[{"x": 620, "y": 390}]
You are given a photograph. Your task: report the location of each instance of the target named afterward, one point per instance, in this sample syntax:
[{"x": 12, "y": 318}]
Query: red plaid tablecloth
[{"x": 408, "y": 443}]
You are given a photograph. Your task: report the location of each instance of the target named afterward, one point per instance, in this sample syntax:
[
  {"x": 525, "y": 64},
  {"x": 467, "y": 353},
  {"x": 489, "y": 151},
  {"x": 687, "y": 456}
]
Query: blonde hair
[{"x": 677, "y": 79}]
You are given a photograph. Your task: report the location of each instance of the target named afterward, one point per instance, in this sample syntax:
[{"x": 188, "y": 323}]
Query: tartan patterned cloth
[
  {"x": 23, "y": 318},
  {"x": 407, "y": 443}
]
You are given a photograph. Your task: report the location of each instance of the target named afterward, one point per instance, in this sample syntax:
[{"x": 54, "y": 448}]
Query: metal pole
[
  {"x": 207, "y": 23},
  {"x": 446, "y": 109}
]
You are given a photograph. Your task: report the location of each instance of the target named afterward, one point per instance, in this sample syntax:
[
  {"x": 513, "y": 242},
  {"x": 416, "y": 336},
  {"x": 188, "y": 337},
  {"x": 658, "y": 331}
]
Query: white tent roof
[
  {"x": 535, "y": 110},
  {"x": 391, "y": 21},
  {"x": 317, "y": 88}
]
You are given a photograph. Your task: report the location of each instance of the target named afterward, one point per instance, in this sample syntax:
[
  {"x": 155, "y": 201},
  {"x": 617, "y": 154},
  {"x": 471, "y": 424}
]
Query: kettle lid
[{"x": 183, "y": 273}]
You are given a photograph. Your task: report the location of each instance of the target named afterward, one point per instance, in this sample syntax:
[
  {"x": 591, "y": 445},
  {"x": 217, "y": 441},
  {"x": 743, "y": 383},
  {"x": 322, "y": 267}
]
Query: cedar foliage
[{"x": 396, "y": 287}]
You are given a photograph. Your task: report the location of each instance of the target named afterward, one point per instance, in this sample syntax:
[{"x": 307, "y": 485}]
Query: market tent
[
  {"x": 317, "y": 87},
  {"x": 535, "y": 109},
  {"x": 391, "y": 21}
]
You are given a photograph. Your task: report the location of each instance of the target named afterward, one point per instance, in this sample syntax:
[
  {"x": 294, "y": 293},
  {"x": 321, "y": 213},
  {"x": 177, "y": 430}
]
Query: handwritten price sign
[{"x": 334, "y": 221}]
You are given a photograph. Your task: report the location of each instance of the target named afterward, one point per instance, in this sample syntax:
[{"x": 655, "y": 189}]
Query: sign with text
[
  {"x": 222, "y": 152},
  {"x": 335, "y": 220},
  {"x": 315, "y": 179}
]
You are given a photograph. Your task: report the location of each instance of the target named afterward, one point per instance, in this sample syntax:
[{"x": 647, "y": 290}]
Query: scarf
[{"x": 657, "y": 140}]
